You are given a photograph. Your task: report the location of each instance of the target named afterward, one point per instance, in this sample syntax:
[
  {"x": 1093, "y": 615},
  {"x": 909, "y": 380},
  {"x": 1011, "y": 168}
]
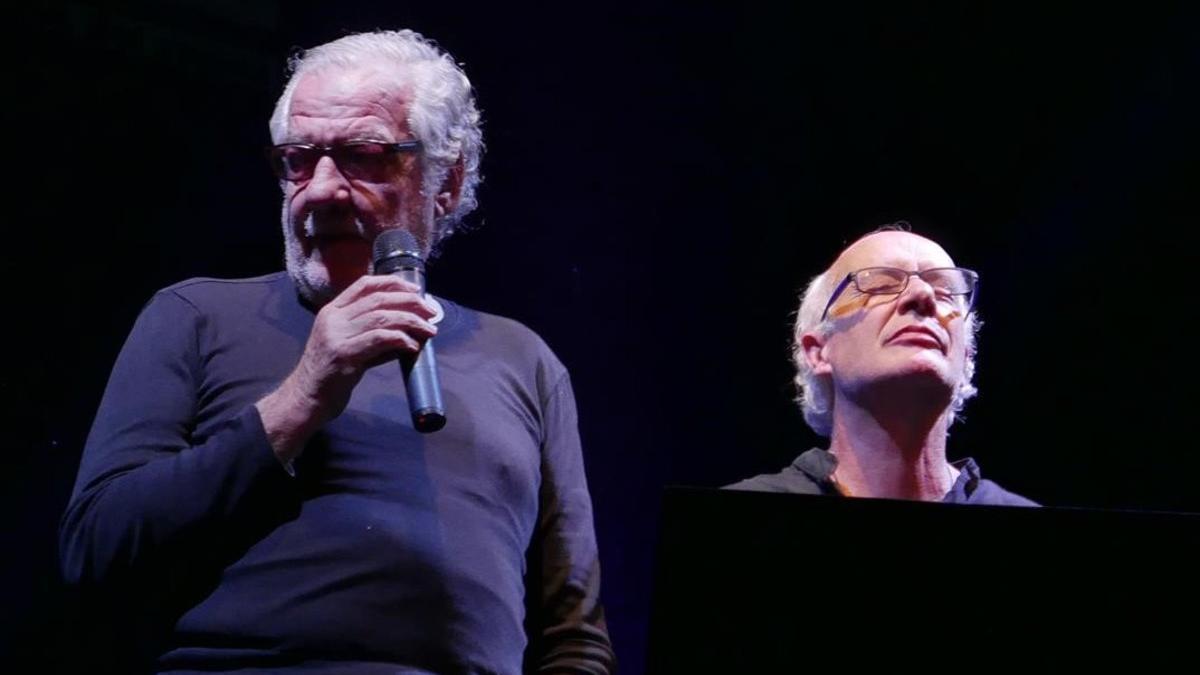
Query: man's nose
[
  {"x": 327, "y": 182},
  {"x": 918, "y": 297}
]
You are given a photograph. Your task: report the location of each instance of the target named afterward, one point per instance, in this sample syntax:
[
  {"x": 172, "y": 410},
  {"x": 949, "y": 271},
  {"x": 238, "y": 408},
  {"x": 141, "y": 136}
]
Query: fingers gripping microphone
[{"x": 397, "y": 252}]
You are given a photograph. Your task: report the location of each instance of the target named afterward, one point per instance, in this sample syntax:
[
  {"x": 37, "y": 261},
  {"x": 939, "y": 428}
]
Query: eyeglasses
[
  {"x": 947, "y": 282},
  {"x": 357, "y": 160}
]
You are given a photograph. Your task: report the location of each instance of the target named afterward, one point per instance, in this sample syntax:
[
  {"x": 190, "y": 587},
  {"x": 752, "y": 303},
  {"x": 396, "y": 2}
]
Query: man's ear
[
  {"x": 450, "y": 191},
  {"x": 813, "y": 346}
]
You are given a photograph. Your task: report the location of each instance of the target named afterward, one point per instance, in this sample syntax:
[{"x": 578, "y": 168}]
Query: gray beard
[{"x": 315, "y": 290}]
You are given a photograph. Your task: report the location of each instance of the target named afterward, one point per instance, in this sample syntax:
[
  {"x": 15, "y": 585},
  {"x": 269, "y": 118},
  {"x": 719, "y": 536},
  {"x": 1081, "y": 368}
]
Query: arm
[
  {"x": 144, "y": 481},
  {"x": 148, "y": 489},
  {"x": 567, "y": 629}
]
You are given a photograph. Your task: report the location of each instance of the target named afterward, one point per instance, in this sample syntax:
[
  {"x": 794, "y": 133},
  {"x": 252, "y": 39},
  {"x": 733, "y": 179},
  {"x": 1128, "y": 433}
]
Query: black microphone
[{"x": 397, "y": 252}]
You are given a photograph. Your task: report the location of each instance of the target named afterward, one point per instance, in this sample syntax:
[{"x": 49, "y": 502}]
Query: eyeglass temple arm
[{"x": 836, "y": 292}]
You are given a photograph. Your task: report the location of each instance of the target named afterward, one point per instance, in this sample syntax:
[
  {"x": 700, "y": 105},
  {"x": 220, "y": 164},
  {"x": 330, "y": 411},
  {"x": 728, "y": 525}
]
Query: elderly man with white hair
[
  {"x": 253, "y": 489},
  {"x": 884, "y": 349}
]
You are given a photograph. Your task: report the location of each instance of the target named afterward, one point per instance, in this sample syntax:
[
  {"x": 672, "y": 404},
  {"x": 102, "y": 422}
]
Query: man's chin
[
  {"x": 320, "y": 283},
  {"x": 922, "y": 371},
  {"x": 927, "y": 367},
  {"x": 345, "y": 259},
  {"x": 910, "y": 388}
]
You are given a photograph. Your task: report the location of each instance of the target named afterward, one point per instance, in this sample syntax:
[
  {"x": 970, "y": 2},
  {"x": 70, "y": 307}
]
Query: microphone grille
[{"x": 395, "y": 242}]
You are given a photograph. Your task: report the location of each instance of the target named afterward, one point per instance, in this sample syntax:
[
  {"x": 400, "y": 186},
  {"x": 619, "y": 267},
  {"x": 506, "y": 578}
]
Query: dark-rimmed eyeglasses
[
  {"x": 357, "y": 160},
  {"x": 946, "y": 282}
]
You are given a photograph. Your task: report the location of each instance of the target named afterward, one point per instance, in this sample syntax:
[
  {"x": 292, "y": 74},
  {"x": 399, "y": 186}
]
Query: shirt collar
[{"x": 819, "y": 465}]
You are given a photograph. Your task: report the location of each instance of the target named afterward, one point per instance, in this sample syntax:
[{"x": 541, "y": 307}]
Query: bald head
[
  {"x": 891, "y": 248},
  {"x": 888, "y": 248}
]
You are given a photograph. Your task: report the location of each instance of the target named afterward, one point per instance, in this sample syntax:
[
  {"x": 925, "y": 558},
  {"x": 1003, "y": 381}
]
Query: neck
[{"x": 896, "y": 456}]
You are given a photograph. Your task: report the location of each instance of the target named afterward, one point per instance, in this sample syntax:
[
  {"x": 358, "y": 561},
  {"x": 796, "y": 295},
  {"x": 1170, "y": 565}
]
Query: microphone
[{"x": 397, "y": 252}]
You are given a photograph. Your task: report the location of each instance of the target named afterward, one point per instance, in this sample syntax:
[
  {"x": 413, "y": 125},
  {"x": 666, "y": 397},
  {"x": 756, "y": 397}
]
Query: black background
[{"x": 660, "y": 182}]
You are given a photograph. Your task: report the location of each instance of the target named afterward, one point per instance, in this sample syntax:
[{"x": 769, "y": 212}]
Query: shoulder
[
  {"x": 788, "y": 480},
  {"x": 209, "y": 294},
  {"x": 808, "y": 474},
  {"x": 988, "y": 492},
  {"x": 500, "y": 338},
  {"x": 975, "y": 489},
  {"x": 512, "y": 332}
]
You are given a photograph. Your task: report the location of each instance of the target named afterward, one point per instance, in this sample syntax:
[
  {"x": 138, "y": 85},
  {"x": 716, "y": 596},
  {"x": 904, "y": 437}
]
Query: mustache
[{"x": 342, "y": 222}]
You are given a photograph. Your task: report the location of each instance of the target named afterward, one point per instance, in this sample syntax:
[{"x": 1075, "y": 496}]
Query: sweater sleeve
[
  {"x": 569, "y": 635},
  {"x": 147, "y": 485}
]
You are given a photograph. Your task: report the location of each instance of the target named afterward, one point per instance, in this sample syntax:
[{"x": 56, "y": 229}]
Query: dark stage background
[{"x": 660, "y": 182}]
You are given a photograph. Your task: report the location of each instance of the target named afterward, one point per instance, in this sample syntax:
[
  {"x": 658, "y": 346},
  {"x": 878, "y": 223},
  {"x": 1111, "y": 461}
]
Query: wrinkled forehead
[
  {"x": 367, "y": 96},
  {"x": 904, "y": 250}
]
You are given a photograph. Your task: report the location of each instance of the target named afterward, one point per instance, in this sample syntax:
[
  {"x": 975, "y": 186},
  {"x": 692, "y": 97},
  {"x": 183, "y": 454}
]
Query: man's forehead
[
  {"x": 361, "y": 94},
  {"x": 904, "y": 250},
  {"x": 336, "y": 81}
]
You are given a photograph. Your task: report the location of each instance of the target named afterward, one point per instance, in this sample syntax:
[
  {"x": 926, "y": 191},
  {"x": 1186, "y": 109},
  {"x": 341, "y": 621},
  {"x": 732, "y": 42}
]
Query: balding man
[{"x": 885, "y": 351}]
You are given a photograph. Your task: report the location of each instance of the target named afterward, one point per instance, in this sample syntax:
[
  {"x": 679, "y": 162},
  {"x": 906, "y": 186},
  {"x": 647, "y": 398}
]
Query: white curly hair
[{"x": 443, "y": 115}]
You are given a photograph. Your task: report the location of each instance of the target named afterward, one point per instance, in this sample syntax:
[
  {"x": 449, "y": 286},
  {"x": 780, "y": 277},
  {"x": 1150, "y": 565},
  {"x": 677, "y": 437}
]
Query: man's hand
[{"x": 373, "y": 320}]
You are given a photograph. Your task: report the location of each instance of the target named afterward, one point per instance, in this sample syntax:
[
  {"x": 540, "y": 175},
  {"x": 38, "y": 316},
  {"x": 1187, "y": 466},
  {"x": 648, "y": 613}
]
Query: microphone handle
[{"x": 421, "y": 375}]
